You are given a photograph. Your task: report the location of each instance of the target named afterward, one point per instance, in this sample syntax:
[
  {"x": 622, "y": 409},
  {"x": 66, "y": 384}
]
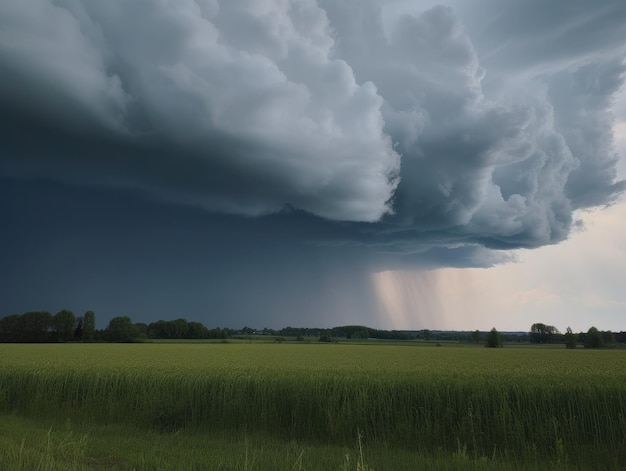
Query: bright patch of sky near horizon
[{"x": 577, "y": 283}]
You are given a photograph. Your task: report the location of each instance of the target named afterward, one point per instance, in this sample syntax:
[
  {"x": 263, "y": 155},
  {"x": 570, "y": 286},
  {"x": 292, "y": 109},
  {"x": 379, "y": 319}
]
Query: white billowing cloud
[
  {"x": 245, "y": 88},
  {"x": 450, "y": 131},
  {"x": 498, "y": 169}
]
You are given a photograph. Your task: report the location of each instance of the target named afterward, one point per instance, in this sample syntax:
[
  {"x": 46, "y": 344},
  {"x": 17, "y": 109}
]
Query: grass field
[{"x": 310, "y": 406}]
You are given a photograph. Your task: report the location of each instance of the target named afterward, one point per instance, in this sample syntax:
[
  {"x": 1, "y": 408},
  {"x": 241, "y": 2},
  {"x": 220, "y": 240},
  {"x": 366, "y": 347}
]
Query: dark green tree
[
  {"x": 34, "y": 326},
  {"x": 594, "y": 338},
  {"x": 142, "y": 329},
  {"x": 494, "y": 339},
  {"x": 78, "y": 331},
  {"x": 425, "y": 334},
  {"x": 9, "y": 328},
  {"x": 64, "y": 322},
  {"x": 196, "y": 330},
  {"x": 179, "y": 328},
  {"x": 326, "y": 336},
  {"x": 121, "y": 329},
  {"x": 608, "y": 337},
  {"x": 475, "y": 336},
  {"x": 542, "y": 333},
  {"x": 89, "y": 326},
  {"x": 571, "y": 339}
]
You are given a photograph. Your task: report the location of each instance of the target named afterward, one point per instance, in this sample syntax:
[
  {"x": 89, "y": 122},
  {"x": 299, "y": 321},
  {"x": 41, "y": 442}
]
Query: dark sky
[
  {"x": 80, "y": 247},
  {"x": 255, "y": 162}
]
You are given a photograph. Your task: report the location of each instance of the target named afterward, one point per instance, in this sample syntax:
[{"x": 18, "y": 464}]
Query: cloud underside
[{"x": 396, "y": 138}]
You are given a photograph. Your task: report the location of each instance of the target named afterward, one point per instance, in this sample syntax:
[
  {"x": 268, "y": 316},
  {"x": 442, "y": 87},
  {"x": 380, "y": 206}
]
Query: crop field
[{"x": 539, "y": 408}]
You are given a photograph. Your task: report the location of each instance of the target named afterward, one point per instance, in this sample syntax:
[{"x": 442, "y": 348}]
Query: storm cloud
[
  {"x": 383, "y": 134},
  {"x": 238, "y": 107}
]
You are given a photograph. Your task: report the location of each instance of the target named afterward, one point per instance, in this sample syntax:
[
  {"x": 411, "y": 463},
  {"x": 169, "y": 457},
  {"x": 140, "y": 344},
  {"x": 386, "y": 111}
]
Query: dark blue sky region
[{"x": 75, "y": 247}]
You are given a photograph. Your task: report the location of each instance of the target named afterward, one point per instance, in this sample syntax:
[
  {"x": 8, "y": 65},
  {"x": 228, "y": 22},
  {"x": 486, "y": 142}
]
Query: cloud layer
[{"x": 422, "y": 136}]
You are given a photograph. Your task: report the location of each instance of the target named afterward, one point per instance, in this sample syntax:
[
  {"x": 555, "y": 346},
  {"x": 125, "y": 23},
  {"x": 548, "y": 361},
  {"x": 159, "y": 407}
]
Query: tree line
[
  {"x": 42, "y": 326},
  {"x": 593, "y": 338},
  {"x": 65, "y": 326}
]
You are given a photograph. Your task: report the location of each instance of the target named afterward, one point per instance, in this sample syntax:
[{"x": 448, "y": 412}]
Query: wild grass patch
[{"x": 550, "y": 406}]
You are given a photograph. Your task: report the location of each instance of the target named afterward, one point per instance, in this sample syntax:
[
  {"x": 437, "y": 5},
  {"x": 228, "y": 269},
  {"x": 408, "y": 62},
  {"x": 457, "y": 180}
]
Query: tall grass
[
  {"x": 560, "y": 406},
  {"x": 44, "y": 445}
]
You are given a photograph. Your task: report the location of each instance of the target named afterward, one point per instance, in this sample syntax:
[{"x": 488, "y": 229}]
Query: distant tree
[
  {"x": 180, "y": 328},
  {"x": 195, "y": 330},
  {"x": 362, "y": 333},
  {"x": 494, "y": 339},
  {"x": 33, "y": 326},
  {"x": 326, "y": 336},
  {"x": 121, "y": 329},
  {"x": 89, "y": 326},
  {"x": 78, "y": 331},
  {"x": 537, "y": 332},
  {"x": 608, "y": 337},
  {"x": 64, "y": 322},
  {"x": 594, "y": 338},
  {"x": 10, "y": 327},
  {"x": 425, "y": 334},
  {"x": 176, "y": 329},
  {"x": 226, "y": 333},
  {"x": 401, "y": 335},
  {"x": 142, "y": 329},
  {"x": 155, "y": 329},
  {"x": 516, "y": 337},
  {"x": 542, "y": 333},
  {"x": 571, "y": 339},
  {"x": 217, "y": 333},
  {"x": 474, "y": 337}
]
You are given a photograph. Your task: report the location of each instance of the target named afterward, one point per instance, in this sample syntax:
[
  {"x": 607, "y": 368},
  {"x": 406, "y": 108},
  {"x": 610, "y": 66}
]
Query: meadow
[{"x": 310, "y": 406}]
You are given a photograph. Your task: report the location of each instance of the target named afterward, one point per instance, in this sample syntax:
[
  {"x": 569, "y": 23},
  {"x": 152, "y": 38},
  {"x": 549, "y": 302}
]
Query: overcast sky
[{"x": 398, "y": 164}]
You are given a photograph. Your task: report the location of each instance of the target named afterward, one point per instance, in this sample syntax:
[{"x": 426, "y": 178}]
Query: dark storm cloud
[
  {"x": 241, "y": 100},
  {"x": 401, "y": 144},
  {"x": 582, "y": 102},
  {"x": 503, "y": 170}
]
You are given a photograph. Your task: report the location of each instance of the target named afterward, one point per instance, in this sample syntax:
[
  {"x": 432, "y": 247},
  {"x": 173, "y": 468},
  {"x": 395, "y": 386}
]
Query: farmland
[{"x": 306, "y": 404}]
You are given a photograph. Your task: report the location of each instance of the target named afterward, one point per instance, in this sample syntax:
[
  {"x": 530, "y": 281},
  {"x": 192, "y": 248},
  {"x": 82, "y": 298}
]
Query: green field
[{"x": 310, "y": 406}]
